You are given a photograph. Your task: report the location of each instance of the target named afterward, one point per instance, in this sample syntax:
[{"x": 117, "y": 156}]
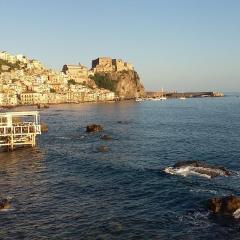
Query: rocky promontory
[{"x": 118, "y": 76}]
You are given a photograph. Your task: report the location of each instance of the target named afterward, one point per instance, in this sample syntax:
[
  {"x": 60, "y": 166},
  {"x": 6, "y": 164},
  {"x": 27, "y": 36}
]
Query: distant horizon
[{"x": 178, "y": 45}]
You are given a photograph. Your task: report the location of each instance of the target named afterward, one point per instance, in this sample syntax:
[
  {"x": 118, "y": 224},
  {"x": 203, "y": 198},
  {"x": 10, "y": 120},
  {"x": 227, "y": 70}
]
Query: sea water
[{"x": 66, "y": 189}]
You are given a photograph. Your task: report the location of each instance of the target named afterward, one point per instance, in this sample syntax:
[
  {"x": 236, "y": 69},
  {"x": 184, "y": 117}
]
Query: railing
[{"x": 20, "y": 129}]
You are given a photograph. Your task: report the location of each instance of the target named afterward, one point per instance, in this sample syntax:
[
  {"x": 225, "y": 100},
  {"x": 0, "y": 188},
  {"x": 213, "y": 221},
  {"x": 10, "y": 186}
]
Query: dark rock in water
[
  {"x": 41, "y": 105},
  {"x": 216, "y": 170},
  {"x": 106, "y": 137},
  {"x": 44, "y": 127},
  {"x": 5, "y": 204},
  {"x": 199, "y": 164},
  {"x": 228, "y": 206},
  {"x": 122, "y": 122},
  {"x": 115, "y": 227},
  {"x": 94, "y": 128},
  {"x": 197, "y": 168},
  {"x": 103, "y": 148}
]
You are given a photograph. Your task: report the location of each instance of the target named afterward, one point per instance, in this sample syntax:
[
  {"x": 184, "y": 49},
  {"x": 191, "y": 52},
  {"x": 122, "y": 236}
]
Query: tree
[
  {"x": 103, "y": 81},
  {"x": 71, "y": 82},
  {"x": 52, "y": 90}
]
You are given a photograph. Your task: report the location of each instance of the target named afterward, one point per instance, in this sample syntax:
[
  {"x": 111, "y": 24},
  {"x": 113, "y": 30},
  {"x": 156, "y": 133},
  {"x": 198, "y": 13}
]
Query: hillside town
[{"x": 25, "y": 81}]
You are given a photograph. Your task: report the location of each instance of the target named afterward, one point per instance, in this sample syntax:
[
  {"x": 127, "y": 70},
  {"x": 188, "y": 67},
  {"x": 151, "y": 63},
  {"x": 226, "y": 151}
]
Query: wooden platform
[{"x": 19, "y": 128}]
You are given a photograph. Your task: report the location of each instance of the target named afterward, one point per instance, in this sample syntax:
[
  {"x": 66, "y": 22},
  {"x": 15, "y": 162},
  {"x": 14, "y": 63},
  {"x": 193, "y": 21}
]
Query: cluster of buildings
[{"x": 25, "y": 81}]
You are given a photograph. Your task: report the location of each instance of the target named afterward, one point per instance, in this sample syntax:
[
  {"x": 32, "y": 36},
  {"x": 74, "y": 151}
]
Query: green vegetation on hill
[
  {"x": 72, "y": 82},
  {"x": 52, "y": 90},
  {"x": 103, "y": 81},
  {"x": 11, "y": 66}
]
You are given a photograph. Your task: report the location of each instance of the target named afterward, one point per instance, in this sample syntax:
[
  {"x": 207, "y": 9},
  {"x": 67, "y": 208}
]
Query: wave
[
  {"x": 186, "y": 168},
  {"x": 236, "y": 214},
  {"x": 196, "y": 218},
  {"x": 199, "y": 190},
  {"x": 7, "y": 209},
  {"x": 185, "y": 171}
]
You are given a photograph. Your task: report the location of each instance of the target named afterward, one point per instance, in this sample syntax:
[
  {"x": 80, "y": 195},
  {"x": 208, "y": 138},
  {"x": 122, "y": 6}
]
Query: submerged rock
[
  {"x": 106, "y": 137},
  {"x": 41, "y": 105},
  {"x": 227, "y": 206},
  {"x": 186, "y": 168},
  {"x": 5, "y": 204},
  {"x": 123, "y": 122},
  {"x": 115, "y": 227},
  {"x": 44, "y": 127},
  {"x": 94, "y": 128},
  {"x": 103, "y": 148}
]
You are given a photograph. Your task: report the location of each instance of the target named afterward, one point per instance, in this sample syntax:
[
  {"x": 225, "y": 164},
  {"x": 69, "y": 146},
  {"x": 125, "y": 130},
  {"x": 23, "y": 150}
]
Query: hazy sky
[{"x": 175, "y": 44}]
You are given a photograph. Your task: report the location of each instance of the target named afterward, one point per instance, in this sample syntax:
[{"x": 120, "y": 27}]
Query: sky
[{"x": 183, "y": 45}]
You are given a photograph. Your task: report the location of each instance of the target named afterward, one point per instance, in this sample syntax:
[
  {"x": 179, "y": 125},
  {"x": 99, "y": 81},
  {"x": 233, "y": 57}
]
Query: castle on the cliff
[{"x": 107, "y": 64}]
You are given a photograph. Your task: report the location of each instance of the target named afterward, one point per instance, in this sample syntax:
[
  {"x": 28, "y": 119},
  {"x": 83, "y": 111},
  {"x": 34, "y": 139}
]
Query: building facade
[{"x": 79, "y": 73}]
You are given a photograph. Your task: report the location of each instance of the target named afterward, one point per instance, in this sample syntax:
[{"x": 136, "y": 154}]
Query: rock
[
  {"x": 103, "y": 148},
  {"x": 94, "y": 128},
  {"x": 106, "y": 137},
  {"x": 44, "y": 127},
  {"x": 127, "y": 82},
  {"x": 5, "y": 204},
  {"x": 227, "y": 206},
  {"x": 41, "y": 105},
  {"x": 115, "y": 227},
  {"x": 122, "y": 122},
  {"x": 186, "y": 168}
]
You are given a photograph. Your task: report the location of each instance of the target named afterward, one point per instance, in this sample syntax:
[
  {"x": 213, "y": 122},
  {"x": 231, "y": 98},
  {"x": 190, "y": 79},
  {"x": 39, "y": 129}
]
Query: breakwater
[{"x": 184, "y": 94}]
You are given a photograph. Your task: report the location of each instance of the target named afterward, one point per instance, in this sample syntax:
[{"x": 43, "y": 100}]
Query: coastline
[{"x": 170, "y": 96}]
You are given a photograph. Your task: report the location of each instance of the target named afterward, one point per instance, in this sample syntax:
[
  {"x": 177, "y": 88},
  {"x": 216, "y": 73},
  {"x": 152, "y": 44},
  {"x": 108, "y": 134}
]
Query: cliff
[
  {"x": 119, "y": 76},
  {"x": 126, "y": 84}
]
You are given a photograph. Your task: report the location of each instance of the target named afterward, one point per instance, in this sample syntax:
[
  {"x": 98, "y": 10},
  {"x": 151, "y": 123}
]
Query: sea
[{"x": 65, "y": 188}]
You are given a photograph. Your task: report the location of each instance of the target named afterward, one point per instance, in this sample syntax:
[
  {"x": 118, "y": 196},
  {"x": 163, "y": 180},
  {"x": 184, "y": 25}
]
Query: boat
[
  {"x": 162, "y": 97},
  {"x": 138, "y": 99},
  {"x": 182, "y": 98}
]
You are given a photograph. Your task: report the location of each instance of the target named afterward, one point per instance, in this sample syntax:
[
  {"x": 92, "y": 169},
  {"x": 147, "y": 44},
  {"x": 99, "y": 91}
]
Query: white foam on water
[
  {"x": 185, "y": 171},
  {"x": 237, "y": 173},
  {"x": 199, "y": 190},
  {"x": 62, "y": 137},
  {"x": 197, "y": 219},
  {"x": 236, "y": 214},
  {"x": 7, "y": 209}
]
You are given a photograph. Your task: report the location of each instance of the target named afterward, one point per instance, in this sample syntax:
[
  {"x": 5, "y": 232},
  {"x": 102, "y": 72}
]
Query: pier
[{"x": 19, "y": 129}]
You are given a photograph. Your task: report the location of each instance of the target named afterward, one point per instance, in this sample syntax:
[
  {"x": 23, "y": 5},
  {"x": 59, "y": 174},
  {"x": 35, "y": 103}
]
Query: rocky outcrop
[
  {"x": 94, "y": 128},
  {"x": 226, "y": 206},
  {"x": 44, "y": 127},
  {"x": 123, "y": 122},
  {"x": 129, "y": 85},
  {"x": 119, "y": 76},
  {"x": 103, "y": 148},
  {"x": 186, "y": 168},
  {"x": 5, "y": 204},
  {"x": 106, "y": 137}
]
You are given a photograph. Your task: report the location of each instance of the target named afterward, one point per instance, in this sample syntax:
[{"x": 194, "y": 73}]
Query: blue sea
[{"x": 66, "y": 189}]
